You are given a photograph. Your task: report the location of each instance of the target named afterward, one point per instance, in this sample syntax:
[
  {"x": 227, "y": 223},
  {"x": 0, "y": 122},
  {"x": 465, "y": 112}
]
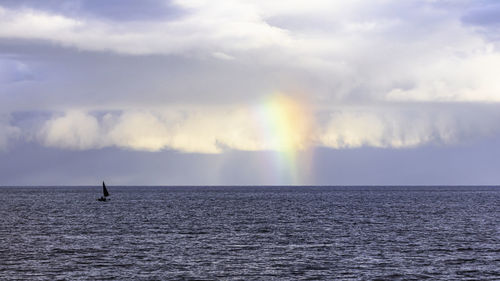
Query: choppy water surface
[{"x": 250, "y": 233}]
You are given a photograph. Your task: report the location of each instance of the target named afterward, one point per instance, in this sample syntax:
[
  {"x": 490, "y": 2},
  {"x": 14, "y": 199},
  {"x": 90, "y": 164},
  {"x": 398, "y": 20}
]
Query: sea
[{"x": 250, "y": 233}]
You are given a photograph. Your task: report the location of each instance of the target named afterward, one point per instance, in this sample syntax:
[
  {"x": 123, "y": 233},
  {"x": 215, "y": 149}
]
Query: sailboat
[{"x": 104, "y": 192}]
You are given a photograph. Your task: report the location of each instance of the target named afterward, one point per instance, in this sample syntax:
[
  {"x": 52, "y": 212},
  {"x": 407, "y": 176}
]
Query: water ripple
[{"x": 251, "y": 233}]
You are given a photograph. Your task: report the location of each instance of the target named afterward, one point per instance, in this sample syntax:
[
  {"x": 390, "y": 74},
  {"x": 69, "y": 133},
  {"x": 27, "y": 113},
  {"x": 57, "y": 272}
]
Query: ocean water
[{"x": 250, "y": 233}]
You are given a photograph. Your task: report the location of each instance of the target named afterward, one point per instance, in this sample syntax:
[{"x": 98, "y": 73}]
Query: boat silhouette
[{"x": 105, "y": 193}]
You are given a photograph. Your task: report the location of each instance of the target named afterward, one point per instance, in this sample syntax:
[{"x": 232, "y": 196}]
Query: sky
[{"x": 240, "y": 92}]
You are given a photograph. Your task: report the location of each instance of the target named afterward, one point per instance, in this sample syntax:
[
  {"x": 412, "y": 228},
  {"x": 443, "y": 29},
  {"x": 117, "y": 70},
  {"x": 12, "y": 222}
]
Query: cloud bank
[
  {"x": 218, "y": 130},
  {"x": 360, "y": 50},
  {"x": 382, "y": 73}
]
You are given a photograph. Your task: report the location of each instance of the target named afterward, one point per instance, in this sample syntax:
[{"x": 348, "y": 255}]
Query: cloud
[
  {"x": 189, "y": 82},
  {"x": 94, "y": 81},
  {"x": 461, "y": 80},
  {"x": 191, "y": 130},
  {"x": 338, "y": 51},
  {"x": 206, "y": 28},
  {"x": 222, "y": 56},
  {"x": 12, "y": 70},
  {"x": 391, "y": 129},
  {"x": 73, "y": 130},
  {"x": 483, "y": 13},
  {"x": 8, "y": 132},
  {"x": 117, "y": 10},
  {"x": 215, "y": 130}
]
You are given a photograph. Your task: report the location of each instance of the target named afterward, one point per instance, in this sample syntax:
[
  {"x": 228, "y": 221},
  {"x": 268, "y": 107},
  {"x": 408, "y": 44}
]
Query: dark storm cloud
[
  {"x": 471, "y": 164},
  {"x": 68, "y": 78},
  {"x": 12, "y": 70},
  {"x": 485, "y": 14},
  {"x": 132, "y": 9},
  {"x": 120, "y": 10},
  {"x": 29, "y": 164}
]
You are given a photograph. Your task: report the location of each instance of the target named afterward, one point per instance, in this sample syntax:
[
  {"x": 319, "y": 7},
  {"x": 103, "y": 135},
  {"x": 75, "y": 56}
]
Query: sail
[{"x": 104, "y": 190}]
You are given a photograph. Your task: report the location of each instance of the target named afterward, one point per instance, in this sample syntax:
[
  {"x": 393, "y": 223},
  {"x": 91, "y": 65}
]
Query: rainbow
[{"x": 286, "y": 128}]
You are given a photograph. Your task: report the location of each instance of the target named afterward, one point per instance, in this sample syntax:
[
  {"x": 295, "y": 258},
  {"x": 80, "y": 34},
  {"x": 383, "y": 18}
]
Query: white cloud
[
  {"x": 390, "y": 129},
  {"x": 137, "y": 130},
  {"x": 222, "y": 56},
  {"x": 73, "y": 130},
  {"x": 203, "y": 130},
  {"x": 205, "y": 29},
  {"x": 474, "y": 79}
]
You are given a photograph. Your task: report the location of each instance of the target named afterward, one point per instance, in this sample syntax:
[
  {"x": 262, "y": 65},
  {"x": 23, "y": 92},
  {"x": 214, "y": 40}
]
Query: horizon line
[{"x": 270, "y": 185}]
